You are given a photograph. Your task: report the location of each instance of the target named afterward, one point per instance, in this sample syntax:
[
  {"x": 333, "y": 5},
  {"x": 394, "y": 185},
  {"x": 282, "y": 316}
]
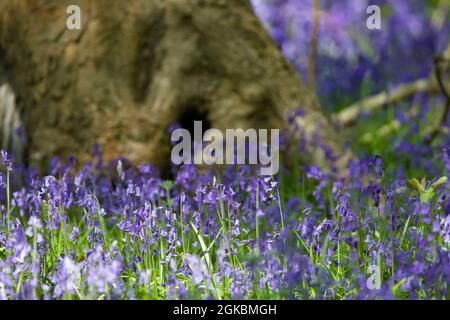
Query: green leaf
[
  {"x": 167, "y": 184},
  {"x": 397, "y": 288},
  {"x": 438, "y": 183},
  {"x": 204, "y": 246},
  {"x": 414, "y": 183},
  {"x": 404, "y": 230},
  {"x": 426, "y": 196}
]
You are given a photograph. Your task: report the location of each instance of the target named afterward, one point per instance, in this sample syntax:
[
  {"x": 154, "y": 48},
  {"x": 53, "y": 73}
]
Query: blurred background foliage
[{"x": 354, "y": 62}]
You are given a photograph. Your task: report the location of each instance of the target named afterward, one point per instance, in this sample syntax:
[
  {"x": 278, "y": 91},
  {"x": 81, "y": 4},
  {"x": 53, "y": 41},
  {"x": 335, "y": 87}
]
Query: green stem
[
  {"x": 257, "y": 218},
  {"x": 8, "y": 204},
  {"x": 279, "y": 207}
]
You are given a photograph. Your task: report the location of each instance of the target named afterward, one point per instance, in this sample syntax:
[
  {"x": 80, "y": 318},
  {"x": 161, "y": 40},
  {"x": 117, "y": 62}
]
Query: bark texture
[{"x": 136, "y": 67}]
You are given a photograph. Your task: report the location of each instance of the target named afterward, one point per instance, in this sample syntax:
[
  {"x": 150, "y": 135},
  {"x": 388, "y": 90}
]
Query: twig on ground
[
  {"x": 433, "y": 84},
  {"x": 350, "y": 114}
]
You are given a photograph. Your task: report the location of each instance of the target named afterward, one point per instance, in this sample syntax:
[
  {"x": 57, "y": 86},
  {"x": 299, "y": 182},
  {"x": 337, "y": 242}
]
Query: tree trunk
[{"x": 136, "y": 67}]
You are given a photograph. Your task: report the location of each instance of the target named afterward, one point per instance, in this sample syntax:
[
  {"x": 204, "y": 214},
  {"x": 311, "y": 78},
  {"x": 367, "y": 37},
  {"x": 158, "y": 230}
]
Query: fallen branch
[
  {"x": 350, "y": 114},
  {"x": 433, "y": 84}
]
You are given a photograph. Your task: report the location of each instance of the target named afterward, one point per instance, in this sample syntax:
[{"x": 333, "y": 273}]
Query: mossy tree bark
[{"x": 136, "y": 67}]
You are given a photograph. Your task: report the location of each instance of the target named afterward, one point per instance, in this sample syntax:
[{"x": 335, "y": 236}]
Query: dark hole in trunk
[{"x": 187, "y": 121}]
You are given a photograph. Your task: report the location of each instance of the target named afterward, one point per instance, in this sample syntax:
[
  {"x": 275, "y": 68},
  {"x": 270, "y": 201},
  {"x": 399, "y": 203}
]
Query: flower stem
[{"x": 8, "y": 205}]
